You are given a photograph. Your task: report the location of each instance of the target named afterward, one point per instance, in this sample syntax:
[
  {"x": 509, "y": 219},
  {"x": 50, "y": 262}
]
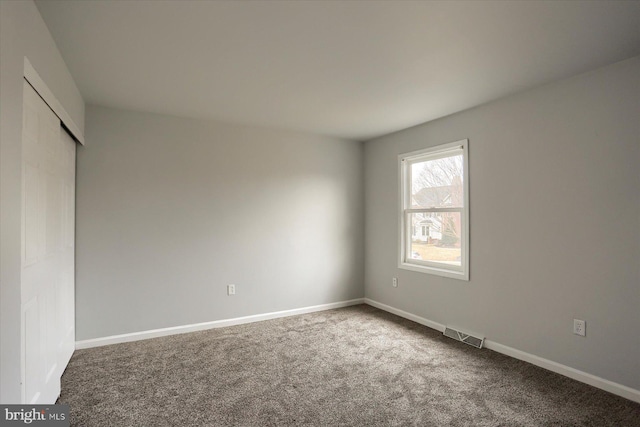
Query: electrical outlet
[
  {"x": 394, "y": 283},
  {"x": 231, "y": 289},
  {"x": 579, "y": 327}
]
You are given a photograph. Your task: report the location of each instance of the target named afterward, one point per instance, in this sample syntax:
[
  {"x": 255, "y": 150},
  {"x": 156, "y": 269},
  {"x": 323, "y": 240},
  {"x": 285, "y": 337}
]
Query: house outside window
[{"x": 434, "y": 210}]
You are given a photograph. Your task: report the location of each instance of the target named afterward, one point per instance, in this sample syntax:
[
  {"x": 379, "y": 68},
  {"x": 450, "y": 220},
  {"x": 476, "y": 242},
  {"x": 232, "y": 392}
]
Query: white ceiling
[{"x": 354, "y": 69}]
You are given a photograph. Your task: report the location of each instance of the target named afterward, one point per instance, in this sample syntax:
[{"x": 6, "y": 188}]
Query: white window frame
[{"x": 404, "y": 235}]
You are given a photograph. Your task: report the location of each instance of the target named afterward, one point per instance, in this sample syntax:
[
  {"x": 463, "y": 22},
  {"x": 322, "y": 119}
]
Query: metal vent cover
[{"x": 464, "y": 337}]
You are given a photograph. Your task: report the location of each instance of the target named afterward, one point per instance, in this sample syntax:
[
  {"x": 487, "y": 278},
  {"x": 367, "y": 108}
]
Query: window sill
[{"x": 460, "y": 275}]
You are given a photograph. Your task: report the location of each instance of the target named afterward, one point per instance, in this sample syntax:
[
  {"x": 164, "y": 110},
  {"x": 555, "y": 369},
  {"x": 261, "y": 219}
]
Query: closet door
[{"x": 48, "y": 205}]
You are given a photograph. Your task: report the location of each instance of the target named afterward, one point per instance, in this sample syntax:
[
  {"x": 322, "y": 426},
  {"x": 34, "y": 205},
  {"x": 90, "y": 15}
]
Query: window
[{"x": 434, "y": 213}]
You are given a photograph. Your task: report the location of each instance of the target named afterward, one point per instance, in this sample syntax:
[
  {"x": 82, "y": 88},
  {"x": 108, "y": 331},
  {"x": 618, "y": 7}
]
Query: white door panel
[
  {"x": 48, "y": 227},
  {"x": 32, "y": 350},
  {"x": 31, "y": 206}
]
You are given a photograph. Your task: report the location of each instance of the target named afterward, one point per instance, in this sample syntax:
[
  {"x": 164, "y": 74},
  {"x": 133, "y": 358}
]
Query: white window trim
[{"x": 455, "y": 272}]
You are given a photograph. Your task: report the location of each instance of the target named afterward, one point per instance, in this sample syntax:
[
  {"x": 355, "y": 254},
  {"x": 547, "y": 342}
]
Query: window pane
[
  {"x": 436, "y": 237},
  {"x": 437, "y": 183}
]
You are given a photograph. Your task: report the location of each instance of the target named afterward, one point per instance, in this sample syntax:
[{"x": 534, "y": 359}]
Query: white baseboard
[
  {"x": 584, "y": 377},
  {"x": 154, "y": 333},
  {"x": 426, "y": 322}
]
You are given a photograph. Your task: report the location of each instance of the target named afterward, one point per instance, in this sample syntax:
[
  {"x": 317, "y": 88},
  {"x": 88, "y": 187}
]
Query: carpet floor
[{"x": 356, "y": 366}]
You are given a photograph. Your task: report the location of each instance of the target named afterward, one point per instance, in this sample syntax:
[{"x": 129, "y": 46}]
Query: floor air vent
[{"x": 465, "y": 338}]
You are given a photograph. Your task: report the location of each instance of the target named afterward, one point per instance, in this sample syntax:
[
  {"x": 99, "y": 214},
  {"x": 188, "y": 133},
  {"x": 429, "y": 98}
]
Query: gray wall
[
  {"x": 171, "y": 210},
  {"x": 555, "y": 222},
  {"x": 22, "y": 33}
]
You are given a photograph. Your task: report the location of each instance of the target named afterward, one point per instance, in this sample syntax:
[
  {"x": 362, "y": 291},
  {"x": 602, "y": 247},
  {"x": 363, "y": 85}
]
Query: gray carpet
[{"x": 356, "y": 366}]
